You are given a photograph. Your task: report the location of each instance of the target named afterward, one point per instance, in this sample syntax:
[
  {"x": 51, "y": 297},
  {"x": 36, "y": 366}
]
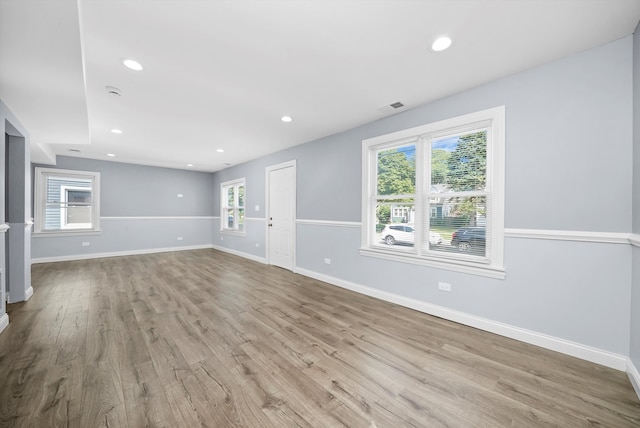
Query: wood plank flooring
[{"x": 207, "y": 339}]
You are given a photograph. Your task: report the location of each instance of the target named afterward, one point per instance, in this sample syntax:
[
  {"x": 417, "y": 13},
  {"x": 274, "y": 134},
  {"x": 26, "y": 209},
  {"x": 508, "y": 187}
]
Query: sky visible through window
[{"x": 448, "y": 144}]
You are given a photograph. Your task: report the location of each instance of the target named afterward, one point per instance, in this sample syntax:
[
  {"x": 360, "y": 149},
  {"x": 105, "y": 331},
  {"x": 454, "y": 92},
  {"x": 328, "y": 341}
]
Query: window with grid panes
[
  {"x": 446, "y": 181},
  {"x": 66, "y": 201},
  {"x": 232, "y": 206}
]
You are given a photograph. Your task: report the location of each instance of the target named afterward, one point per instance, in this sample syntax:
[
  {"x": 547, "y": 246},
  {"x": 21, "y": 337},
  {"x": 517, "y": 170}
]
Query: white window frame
[
  {"x": 40, "y": 201},
  {"x": 491, "y": 266},
  {"x": 236, "y": 184}
]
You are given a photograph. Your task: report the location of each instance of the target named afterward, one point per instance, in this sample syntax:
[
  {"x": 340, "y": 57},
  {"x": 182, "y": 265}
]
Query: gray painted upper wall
[
  {"x": 568, "y": 147},
  {"x": 128, "y": 190}
]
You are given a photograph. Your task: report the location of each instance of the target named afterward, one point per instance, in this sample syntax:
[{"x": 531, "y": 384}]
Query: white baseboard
[
  {"x": 28, "y": 293},
  {"x": 117, "y": 254},
  {"x": 634, "y": 376},
  {"x": 258, "y": 259},
  {"x": 595, "y": 355},
  {"x": 4, "y": 322}
]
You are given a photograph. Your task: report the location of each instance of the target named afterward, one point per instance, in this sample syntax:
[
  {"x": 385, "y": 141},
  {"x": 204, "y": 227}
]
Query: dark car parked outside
[{"x": 472, "y": 239}]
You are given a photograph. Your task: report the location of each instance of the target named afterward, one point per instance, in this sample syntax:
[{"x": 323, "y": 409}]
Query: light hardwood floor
[{"x": 204, "y": 338}]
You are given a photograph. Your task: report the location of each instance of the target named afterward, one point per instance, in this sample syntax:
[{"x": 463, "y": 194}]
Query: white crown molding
[
  {"x": 595, "y": 355},
  {"x": 117, "y": 254},
  {"x": 569, "y": 235},
  {"x": 330, "y": 223}
]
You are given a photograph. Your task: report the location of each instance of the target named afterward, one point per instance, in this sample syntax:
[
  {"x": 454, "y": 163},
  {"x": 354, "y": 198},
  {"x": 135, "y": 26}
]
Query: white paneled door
[{"x": 281, "y": 187}]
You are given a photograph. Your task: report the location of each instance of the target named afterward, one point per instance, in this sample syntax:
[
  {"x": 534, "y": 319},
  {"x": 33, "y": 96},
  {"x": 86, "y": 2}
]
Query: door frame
[{"x": 268, "y": 170}]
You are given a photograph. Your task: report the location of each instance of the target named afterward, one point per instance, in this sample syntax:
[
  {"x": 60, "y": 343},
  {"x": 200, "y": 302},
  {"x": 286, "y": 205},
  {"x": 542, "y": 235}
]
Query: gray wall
[
  {"x": 140, "y": 210},
  {"x": 635, "y": 291},
  {"x": 568, "y": 168}
]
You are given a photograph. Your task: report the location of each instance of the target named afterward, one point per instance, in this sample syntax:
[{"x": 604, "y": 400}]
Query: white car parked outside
[{"x": 404, "y": 234}]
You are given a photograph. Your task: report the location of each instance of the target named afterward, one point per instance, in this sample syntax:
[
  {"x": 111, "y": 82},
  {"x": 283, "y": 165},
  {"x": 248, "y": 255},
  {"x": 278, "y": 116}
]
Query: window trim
[
  {"x": 492, "y": 267},
  {"x": 223, "y": 200},
  {"x": 40, "y": 195}
]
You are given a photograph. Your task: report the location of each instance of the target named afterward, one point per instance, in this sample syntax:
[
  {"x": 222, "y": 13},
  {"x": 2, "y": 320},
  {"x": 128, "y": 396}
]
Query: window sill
[
  {"x": 233, "y": 233},
  {"x": 452, "y": 265},
  {"x": 60, "y": 233}
]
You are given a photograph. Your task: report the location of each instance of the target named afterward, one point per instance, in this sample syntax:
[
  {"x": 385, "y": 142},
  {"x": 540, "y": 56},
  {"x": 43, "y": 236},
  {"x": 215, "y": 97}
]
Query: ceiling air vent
[{"x": 392, "y": 108}]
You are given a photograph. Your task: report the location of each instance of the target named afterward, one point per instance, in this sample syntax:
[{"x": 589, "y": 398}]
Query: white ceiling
[{"x": 220, "y": 74}]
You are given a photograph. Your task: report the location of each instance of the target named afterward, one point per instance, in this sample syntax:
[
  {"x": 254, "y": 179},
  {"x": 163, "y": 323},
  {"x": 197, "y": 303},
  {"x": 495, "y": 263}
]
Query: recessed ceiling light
[
  {"x": 220, "y": 150},
  {"x": 116, "y": 131},
  {"x": 286, "y": 119},
  {"x": 132, "y": 64},
  {"x": 74, "y": 151},
  {"x": 441, "y": 44},
  {"x": 110, "y": 155},
  {"x": 189, "y": 164}
]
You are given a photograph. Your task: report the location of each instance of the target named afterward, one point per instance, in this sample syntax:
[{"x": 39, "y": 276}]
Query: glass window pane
[
  {"x": 397, "y": 171},
  {"x": 68, "y": 203},
  {"x": 230, "y": 197},
  {"x": 459, "y": 226},
  {"x": 58, "y": 188},
  {"x": 52, "y": 216},
  {"x": 459, "y": 162},
  {"x": 241, "y": 196},
  {"x": 229, "y": 218},
  {"x": 241, "y": 219},
  {"x": 79, "y": 196},
  {"x": 395, "y": 223},
  {"x": 78, "y": 217}
]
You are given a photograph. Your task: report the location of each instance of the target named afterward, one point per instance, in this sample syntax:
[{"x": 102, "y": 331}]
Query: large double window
[
  {"x": 434, "y": 194},
  {"x": 232, "y": 206},
  {"x": 66, "y": 201}
]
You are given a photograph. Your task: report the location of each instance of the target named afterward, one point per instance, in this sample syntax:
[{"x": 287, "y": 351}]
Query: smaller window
[
  {"x": 66, "y": 201},
  {"x": 232, "y": 206}
]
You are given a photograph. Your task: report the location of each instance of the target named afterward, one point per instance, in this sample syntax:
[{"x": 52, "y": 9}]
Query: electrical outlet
[
  {"x": 86, "y": 244},
  {"x": 179, "y": 238},
  {"x": 444, "y": 286},
  {"x": 327, "y": 261}
]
